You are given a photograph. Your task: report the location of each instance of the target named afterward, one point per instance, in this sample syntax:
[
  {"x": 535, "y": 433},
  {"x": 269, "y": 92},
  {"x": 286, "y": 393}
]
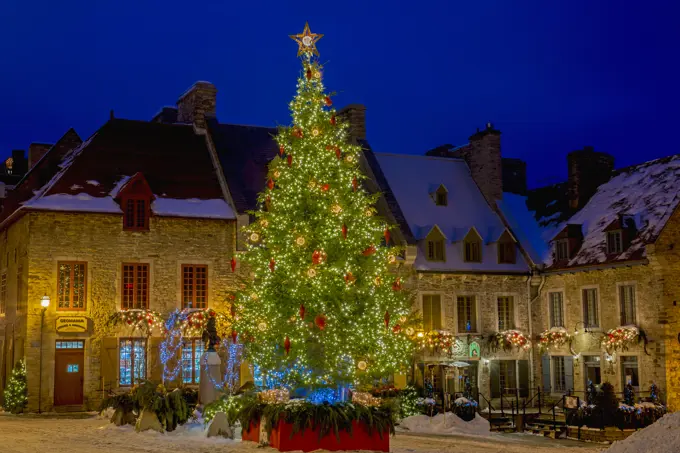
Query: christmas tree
[
  {"x": 16, "y": 392},
  {"x": 323, "y": 306}
]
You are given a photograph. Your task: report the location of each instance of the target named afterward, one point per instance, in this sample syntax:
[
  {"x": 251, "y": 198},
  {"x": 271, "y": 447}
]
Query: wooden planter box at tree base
[
  {"x": 308, "y": 440},
  {"x": 607, "y": 435}
]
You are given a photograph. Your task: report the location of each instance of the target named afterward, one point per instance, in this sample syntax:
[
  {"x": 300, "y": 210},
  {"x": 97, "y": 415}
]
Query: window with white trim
[
  {"x": 192, "y": 353},
  {"x": 556, "y": 305},
  {"x": 132, "y": 360},
  {"x": 590, "y": 313},
  {"x": 506, "y": 315},
  {"x": 614, "y": 242}
]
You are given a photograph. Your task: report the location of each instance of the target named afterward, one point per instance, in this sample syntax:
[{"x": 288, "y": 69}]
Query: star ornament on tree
[{"x": 307, "y": 42}]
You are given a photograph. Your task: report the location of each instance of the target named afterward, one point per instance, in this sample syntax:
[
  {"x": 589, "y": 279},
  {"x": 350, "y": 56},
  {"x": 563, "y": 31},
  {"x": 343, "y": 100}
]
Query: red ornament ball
[
  {"x": 328, "y": 101},
  {"x": 325, "y": 187},
  {"x": 320, "y": 321}
]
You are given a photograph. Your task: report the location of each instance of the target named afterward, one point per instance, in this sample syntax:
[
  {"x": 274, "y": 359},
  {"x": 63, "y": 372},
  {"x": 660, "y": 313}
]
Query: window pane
[
  {"x": 629, "y": 371},
  {"x": 436, "y": 312},
  {"x": 125, "y": 361},
  {"x": 556, "y": 319},
  {"x": 187, "y": 362},
  {"x": 627, "y": 303},
  {"x": 427, "y": 313},
  {"x": 130, "y": 213},
  {"x": 199, "y": 347},
  {"x": 505, "y": 313},
  {"x": 140, "y": 221},
  {"x": 467, "y": 315},
  {"x": 78, "y": 285},
  {"x": 142, "y": 289},
  {"x": 590, "y": 314},
  {"x": 559, "y": 377},
  {"x": 201, "y": 285},
  {"x": 139, "y": 365},
  {"x": 128, "y": 286},
  {"x": 64, "y": 285},
  {"x": 188, "y": 287}
]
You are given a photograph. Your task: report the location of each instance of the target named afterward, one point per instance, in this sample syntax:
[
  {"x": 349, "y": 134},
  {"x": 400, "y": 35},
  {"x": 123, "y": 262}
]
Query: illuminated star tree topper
[{"x": 307, "y": 42}]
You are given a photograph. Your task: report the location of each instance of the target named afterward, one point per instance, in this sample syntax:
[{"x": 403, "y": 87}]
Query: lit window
[
  {"x": 467, "y": 314},
  {"x": 614, "y": 242},
  {"x": 194, "y": 286},
  {"x": 71, "y": 285},
  {"x": 506, "y": 318},
  {"x": 135, "y": 291},
  {"x": 590, "y": 314},
  {"x": 192, "y": 353},
  {"x": 435, "y": 250},
  {"x": 132, "y": 360},
  {"x": 556, "y": 309},
  {"x": 432, "y": 312},
  {"x": 562, "y": 249}
]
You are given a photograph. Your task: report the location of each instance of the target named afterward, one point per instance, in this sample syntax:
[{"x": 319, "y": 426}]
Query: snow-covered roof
[
  {"x": 173, "y": 160},
  {"x": 411, "y": 179},
  {"x": 524, "y": 226},
  {"x": 647, "y": 193}
]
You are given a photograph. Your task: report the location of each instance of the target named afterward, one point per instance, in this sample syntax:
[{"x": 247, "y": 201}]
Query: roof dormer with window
[
  {"x": 472, "y": 247},
  {"x": 441, "y": 196},
  {"x": 135, "y": 199},
  {"x": 507, "y": 248},
  {"x": 619, "y": 234},
  {"x": 567, "y": 242},
  {"x": 435, "y": 245}
]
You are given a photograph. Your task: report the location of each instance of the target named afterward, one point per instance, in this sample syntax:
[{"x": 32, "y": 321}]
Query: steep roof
[
  {"x": 411, "y": 179},
  {"x": 524, "y": 226},
  {"x": 175, "y": 162},
  {"x": 244, "y": 153},
  {"x": 646, "y": 193}
]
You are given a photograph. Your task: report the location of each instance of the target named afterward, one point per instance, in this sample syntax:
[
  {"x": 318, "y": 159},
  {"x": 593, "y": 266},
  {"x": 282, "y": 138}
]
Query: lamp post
[{"x": 44, "y": 303}]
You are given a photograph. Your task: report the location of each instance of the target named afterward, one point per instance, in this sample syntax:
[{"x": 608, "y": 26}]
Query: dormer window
[
  {"x": 473, "y": 247},
  {"x": 506, "y": 249},
  {"x": 135, "y": 199},
  {"x": 562, "y": 249},
  {"x": 614, "y": 242},
  {"x": 436, "y": 245},
  {"x": 441, "y": 196}
]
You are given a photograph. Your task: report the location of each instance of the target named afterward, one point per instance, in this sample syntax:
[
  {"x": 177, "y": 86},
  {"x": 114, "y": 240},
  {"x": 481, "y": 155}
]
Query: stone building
[{"x": 610, "y": 271}]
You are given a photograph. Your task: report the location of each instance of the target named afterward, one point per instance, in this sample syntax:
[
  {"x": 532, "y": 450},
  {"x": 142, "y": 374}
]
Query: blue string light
[
  {"x": 171, "y": 344},
  {"x": 232, "y": 373}
]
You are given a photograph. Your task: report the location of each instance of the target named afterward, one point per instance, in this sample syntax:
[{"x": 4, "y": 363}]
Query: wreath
[
  {"x": 623, "y": 337},
  {"x": 554, "y": 339},
  {"x": 509, "y": 339}
]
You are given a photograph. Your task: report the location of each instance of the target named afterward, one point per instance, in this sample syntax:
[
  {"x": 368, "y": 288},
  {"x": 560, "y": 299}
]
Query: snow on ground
[
  {"x": 447, "y": 425},
  {"x": 660, "y": 437},
  {"x": 30, "y": 434}
]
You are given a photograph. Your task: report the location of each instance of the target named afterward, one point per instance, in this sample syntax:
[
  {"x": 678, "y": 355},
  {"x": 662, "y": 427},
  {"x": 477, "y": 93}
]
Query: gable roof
[
  {"x": 411, "y": 178},
  {"x": 174, "y": 160},
  {"x": 647, "y": 194},
  {"x": 244, "y": 153}
]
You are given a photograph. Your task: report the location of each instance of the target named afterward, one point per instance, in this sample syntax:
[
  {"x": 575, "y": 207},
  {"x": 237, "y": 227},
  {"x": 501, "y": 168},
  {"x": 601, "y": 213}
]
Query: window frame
[
  {"x": 134, "y": 305},
  {"x": 193, "y": 292},
  {"x": 619, "y": 288},
  {"x": 474, "y": 315},
  {"x": 505, "y": 247},
  {"x": 195, "y": 373},
  {"x": 442, "y": 319},
  {"x": 472, "y": 238},
  {"x": 132, "y": 359},
  {"x": 503, "y": 366},
  {"x": 558, "y": 247},
  {"x": 586, "y": 366},
  {"x": 622, "y": 366},
  {"x": 553, "y": 374},
  {"x": 511, "y": 316},
  {"x": 134, "y": 216},
  {"x": 550, "y": 310},
  {"x": 613, "y": 250},
  {"x": 432, "y": 254},
  {"x": 85, "y": 286},
  {"x": 441, "y": 196},
  {"x": 584, "y": 308}
]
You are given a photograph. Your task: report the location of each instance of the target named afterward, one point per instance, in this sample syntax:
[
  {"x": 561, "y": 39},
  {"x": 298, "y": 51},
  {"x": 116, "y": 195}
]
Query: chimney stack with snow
[
  {"x": 36, "y": 151},
  {"x": 355, "y": 115},
  {"x": 197, "y": 103}
]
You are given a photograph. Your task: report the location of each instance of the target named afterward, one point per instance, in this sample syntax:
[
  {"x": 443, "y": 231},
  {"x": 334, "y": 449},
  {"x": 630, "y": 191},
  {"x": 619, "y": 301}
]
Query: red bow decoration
[
  {"x": 286, "y": 345},
  {"x": 233, "y": 264},
  {"x": 369, "y": 251}
]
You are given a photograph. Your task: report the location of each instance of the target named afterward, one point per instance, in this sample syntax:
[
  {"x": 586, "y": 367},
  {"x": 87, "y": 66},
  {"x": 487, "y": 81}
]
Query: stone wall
[
  {"x": 99, "y": 240},
  {"x": 483, "y": 156},
  {"x": 648, "y": 303}
]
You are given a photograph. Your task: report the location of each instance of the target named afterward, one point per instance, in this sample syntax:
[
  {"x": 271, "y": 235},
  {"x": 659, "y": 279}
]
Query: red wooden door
[{"x": 68, "y": 376}]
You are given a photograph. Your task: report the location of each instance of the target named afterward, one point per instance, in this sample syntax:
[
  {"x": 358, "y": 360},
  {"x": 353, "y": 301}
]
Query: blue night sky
[{"x": 553, "y": 76}]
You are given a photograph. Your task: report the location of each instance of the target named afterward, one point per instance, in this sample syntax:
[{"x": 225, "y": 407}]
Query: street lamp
[{"x": 44, "y": 303}]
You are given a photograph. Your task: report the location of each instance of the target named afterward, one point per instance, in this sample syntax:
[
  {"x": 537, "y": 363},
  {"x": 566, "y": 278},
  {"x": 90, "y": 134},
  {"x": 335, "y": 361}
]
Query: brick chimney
[
  {"x": 587, "y": 170},
  {"x": 197, "y": 104},
  {"x": 483, "y": 156},
  {"x": 36, "y": 151},
  {"x": 355, "y": 115}
]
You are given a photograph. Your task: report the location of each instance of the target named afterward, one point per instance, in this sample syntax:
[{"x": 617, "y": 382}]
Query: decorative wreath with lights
[
  {"x": 138, "y": 319},
  {"x": 436, "y": 340},
  {"x": 623, "y": 337},
  {"x": 509, "y": 339},
  {"x": 554, "y": 339}
]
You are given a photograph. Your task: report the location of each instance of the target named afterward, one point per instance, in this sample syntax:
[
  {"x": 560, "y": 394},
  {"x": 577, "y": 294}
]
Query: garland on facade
[
  {"x": 509, "y": 339},
  {"x": 623, "y": 337},
  {"x": 144, "y": 320},
  {"x": 554, "y": 339},
  {"x": 195, "y": 321},
  {"x": 435, "y": 340}
]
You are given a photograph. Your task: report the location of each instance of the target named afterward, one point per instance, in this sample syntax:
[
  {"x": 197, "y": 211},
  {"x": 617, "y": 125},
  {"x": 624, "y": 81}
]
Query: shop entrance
[{"x": 68, "y": 372}]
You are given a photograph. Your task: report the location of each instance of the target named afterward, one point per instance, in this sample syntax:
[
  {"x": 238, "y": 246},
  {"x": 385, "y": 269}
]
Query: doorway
[{"x": 68, "y": 372}]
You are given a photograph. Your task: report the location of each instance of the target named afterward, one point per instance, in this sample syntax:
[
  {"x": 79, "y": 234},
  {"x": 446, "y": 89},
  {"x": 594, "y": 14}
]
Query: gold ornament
[
  {"x": 336, "y": 209},
  {"x": 410, "y": 331},
  {"x": 362, "y": 365},
  {"x": 262, "y": 326},
  {"x": 349, "y": 159},
  {"x": 391, "y": 259},
  {"x": 317, "y": 75},
  {"x": 312, "y": 184},
  {"x": 315, "y": 132},
  {"x": 311, "y": 273},
  {"x": 377, "y": 281},
  {"x": 307, "y": 42},
  {"x": 403, "y": 319},
  {"x": 277, "y": 174},
  {"x": 300, "y": 241},
  {"x": 254, "y": 296},
  {"x": 369, "y": 212},
  {"x": 254, "y": 237},
  {"x": 264, "y": 223}
]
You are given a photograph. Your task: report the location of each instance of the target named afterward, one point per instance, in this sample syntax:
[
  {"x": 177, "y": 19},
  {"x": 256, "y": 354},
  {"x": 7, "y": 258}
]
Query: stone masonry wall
[
  {"x": 99, "y": 240},
  {"x": 648, "y": 301}
]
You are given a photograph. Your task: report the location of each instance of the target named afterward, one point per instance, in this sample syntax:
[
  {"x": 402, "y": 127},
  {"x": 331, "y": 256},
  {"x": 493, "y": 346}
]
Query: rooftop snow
[
  {"x": 524, "y": 226},
  {"x": 411, "y": 179}
]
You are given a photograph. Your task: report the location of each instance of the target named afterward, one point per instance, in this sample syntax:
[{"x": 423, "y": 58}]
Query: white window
[
  {"x": 467, "y": 314},
  {"x": 506, "y": 314},
  {"x": 432, "y": 312},
  {"x": 556, "y": 306},
  {"x": 614, "y": 242},
  {"x": 627, "y": 304},
  {"x": 590, "y": 314}
]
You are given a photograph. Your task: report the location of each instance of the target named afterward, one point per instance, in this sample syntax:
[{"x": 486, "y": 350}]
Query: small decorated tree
[
  {"x": 16, "y": 393},
  {"x": 629, "y": 395},
  {"x": 324, "y": 307}
]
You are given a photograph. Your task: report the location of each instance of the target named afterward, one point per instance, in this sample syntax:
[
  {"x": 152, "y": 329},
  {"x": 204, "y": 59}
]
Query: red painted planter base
[{"x": 308, "y": 440}]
